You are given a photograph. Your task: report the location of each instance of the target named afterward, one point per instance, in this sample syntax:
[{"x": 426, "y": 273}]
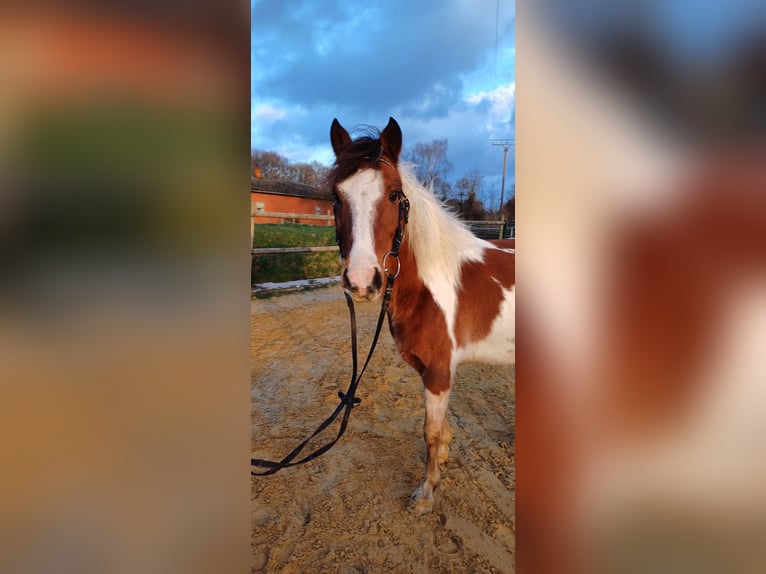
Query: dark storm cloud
[{"x": 369, "y": 60}]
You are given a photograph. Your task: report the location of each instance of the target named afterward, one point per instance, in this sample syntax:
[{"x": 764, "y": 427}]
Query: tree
[
  {"x": 469, "y": 186},
  {"x": 470, "y": 182},
  {"x": 320, "y": 173},
  {"x": 443, "y": 189},
  {"x": 490, "y": 195},
  {"x": 275, "y": 166},
  {"x": 307, "y": 173},
  {"x": 509, "y": 209},
  {"x": 432, "y": 164},
  {"x": 473, "y": 208}
]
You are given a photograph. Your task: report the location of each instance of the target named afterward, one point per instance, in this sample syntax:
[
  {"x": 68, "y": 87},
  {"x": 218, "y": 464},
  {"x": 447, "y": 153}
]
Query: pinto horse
[{"x": 454, "y": 296}]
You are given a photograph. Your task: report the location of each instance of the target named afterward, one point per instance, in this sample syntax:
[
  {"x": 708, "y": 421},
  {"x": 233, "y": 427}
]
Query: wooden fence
[
  {"x": 268, "y": 250},
  {"x": 491, "y": 229},
  {"x": 293, "y": 217},
  {"x": 483, "y": 229}
]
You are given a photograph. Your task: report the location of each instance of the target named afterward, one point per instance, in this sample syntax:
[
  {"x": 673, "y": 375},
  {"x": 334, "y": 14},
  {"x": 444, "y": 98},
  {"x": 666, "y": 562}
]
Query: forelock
[{"x": 360, "y": 153}]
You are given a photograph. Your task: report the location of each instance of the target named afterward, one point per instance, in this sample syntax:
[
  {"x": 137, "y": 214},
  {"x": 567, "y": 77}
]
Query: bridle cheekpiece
[{"x": 403, "y": 219}]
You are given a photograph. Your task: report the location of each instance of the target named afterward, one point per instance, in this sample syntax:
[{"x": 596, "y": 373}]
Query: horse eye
[{"x": 394, "y": 195}]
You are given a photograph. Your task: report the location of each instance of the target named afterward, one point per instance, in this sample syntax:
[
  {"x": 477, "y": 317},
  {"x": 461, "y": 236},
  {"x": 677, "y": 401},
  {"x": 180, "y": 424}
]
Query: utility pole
[{"x": 506, "y": 144}]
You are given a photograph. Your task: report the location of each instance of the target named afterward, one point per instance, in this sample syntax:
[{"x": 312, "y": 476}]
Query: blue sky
[{"x": 443, "y": 69}]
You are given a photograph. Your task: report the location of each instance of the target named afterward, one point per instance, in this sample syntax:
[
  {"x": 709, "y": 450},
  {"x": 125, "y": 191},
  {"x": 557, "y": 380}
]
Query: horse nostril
[
  {"x": 348, "y": 284},
  {"x": 362, "y": 285}
]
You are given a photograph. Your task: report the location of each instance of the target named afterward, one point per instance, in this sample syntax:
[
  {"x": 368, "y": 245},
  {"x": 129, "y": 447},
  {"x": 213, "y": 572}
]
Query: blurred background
[
  {"x": 124, "y": 286},
  {"x": 641, "y": 202}
]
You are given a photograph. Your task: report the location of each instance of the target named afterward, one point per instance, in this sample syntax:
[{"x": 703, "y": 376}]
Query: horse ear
[
  {"x": 391, "y": 139},
  {"x": 338, "y": 136}
]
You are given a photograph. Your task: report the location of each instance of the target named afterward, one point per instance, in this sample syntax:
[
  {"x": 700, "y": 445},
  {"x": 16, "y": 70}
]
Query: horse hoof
[{"x": 421, "y": 507}]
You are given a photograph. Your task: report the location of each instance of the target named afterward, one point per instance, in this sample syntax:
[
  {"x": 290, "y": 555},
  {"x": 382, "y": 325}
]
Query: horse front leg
[
  {"x": 437, "y": 435},
  {"x": 445, "y": 440}
]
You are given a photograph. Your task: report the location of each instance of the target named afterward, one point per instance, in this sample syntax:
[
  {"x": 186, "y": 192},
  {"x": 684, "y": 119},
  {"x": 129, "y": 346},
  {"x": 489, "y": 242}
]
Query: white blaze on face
[{"x": 362, "y": 191}]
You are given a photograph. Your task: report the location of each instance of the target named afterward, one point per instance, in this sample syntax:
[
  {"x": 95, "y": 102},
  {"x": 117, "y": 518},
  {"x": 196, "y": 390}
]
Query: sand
[{"x": 347, "y": 511}]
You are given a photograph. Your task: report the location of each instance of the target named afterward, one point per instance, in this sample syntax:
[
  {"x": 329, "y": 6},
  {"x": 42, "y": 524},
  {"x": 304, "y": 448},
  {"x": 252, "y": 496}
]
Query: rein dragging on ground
[{"x": 347, "y": 399}]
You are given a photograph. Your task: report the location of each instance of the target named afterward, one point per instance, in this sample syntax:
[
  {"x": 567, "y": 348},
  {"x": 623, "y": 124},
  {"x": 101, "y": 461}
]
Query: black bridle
[{"x": 348, "y": 399}]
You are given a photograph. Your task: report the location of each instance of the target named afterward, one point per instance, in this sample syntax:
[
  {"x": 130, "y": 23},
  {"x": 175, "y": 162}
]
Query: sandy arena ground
[{"x": 347, "y": 511}]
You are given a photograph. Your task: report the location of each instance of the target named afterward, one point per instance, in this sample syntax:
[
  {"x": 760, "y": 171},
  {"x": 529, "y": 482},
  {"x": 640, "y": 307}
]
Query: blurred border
[
  {"x": 642, "y": 263},
  {"x": 124, "y": 295}
]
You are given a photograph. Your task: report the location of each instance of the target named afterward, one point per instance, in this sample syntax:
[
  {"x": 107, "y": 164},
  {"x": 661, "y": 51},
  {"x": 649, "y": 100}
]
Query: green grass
[{"x": 293, "y": 266}]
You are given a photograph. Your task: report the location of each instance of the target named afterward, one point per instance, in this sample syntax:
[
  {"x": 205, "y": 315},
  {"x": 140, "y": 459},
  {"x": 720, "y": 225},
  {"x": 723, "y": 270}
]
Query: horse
[{"x": 454, "y": 296}]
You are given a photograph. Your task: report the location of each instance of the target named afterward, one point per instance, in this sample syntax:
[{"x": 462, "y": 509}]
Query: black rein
[{"x": 347, "y": 399}]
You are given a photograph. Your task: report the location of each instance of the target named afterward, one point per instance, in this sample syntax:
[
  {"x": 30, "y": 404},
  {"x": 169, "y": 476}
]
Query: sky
[{"x": 442, "y": 69}]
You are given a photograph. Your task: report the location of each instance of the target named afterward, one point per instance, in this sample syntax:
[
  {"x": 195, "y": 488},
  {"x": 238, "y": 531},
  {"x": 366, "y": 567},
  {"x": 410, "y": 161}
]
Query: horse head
[{"x": 370, "y": 208}]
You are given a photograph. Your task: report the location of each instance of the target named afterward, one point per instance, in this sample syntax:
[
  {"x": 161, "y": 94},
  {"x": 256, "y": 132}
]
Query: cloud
[
  {"x": 438, "y": 101},
  {"x": 367, "y": 58},
  {"x": 433, "y": 66},
  {"x": 501, "y": 102},
  {"x": 267, "y": 113}
]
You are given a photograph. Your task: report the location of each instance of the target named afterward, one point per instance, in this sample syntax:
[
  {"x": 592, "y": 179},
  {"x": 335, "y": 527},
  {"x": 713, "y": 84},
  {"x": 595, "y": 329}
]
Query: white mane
[{"x": 440, "y": 242}]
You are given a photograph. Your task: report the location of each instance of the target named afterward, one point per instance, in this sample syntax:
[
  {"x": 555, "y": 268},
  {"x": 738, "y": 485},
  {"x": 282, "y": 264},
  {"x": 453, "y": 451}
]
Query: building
[{"x": 285, "y": 197}]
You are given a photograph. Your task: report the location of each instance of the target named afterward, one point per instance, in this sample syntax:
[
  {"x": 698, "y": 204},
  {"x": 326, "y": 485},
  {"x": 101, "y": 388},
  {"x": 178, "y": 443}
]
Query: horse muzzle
[{"x": 363, "y": 286}]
